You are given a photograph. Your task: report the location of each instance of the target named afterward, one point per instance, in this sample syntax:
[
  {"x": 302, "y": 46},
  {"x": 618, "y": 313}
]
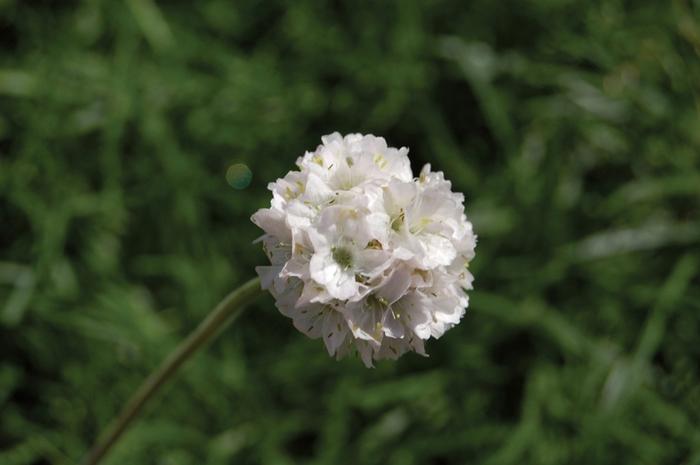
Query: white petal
[
  {"x": 267, "y": 274},
  {"x": 372, "y": 262},
  {"x": 335, "y": 330},
  {"x": 365, "y": 322},
  {"x": 365, "y": 350},
  {"x": 396, "y": 285},
  {"x": 296, "y": 266},
  {"x": 392, "y": 325},
  {"x": 345, "y": 287},
  {"x": 437, "y": 250},
  {"x": 273, "y": 223},
  {"x": 309, "y": 320},
  {"x": 323, "y": 269},
  {"x": 317, "y": 191}
]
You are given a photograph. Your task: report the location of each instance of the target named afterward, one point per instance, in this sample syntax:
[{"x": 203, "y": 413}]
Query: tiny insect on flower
[{"x": 364, "y": 255}]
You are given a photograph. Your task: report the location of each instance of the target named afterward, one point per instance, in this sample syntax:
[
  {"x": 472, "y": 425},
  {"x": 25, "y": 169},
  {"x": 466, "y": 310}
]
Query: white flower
[{"x": 364, "y": 255}]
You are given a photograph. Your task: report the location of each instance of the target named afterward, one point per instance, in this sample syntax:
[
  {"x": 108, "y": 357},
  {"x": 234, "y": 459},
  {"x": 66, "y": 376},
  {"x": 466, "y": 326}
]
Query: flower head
[{"x": 364, "y": 255}]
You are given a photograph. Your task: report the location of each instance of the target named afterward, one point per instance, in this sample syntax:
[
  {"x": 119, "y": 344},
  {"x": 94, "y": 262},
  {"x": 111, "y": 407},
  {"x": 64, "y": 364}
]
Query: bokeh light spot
[{"x": 239, "y": 176}]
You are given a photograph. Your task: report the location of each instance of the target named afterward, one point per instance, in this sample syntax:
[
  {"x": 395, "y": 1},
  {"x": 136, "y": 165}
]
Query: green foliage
[{"x": 572, "y": 128}]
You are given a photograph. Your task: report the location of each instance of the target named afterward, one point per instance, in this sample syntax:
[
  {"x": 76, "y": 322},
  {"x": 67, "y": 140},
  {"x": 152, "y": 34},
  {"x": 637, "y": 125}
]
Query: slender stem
[{"x": 227, "y": 310}]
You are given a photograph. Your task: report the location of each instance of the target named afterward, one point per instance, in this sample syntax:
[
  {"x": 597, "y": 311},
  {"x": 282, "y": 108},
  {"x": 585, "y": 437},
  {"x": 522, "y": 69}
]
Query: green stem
[{"x": 227, "y": 310}]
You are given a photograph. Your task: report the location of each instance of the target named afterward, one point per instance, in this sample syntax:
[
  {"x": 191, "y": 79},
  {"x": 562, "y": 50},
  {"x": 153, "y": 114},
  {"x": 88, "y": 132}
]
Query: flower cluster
[{"x": 363, "y": 254}]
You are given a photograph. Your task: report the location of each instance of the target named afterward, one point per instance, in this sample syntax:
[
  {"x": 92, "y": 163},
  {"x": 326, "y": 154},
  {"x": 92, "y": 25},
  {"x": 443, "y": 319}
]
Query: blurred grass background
[{"x": 572, "y": 127}]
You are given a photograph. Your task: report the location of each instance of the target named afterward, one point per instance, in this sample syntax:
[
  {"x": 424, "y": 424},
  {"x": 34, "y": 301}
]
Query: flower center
[
  {"x": 342, "y": 256},
  {"x": 376, "y": 302},
  {"x": 397, "y": 221}
]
